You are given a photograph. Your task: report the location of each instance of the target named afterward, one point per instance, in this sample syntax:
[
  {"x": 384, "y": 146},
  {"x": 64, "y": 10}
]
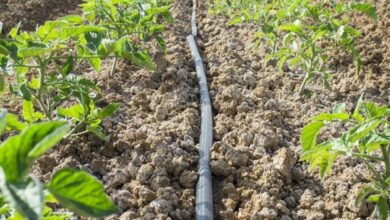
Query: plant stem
[
  {"x": 303, "y": 85},
  {"x": 386, "y": 160},
  {"x": 377, "y": 176},
  {"x": 42, "y": 76},
  {"x": 309, "y": 71},
  {"x": 78, "y": 125},
  {"x": 113, "y": 67}
]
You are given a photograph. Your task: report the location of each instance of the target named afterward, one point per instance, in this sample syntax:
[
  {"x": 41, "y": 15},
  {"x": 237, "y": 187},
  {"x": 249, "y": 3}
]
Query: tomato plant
[
  {"x": 130, "y": 24},
  {"x": 23, "y": 196},
  {"x": 367, "y": 137},
  {"x": 302, "y": 34},
  {"x": 42, "y": 65}
]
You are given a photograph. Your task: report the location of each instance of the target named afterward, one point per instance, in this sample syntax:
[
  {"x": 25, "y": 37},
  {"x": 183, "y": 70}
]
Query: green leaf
[
  {"x": 331, "y": 117},
  {"x": 44, "y": 136},
  {"x": 382, "y": 208},
  {"x": 18, "y": 153},
  {"x": 25, "y": 92},
  {"x": 81, "y": 193},
  {"x": 291, "y": 28},
  {"x": 106, "y": 47},
  {"x": 107, "y": 111},
  {"x": 68, "y": 67},
  {"x": 93, "y": 40},
  {"x": 373, "y": 141},
  {"x": 235, "y": 21},
  {"x": 373, "y": 110},
  {"x": 32, "y": 52},
  {"x": 320, "y": 156},
  {"x": 28, "y": 111},
  {"x": 363, "y": 194},
  {"x": 94, "y": 62},
  {"x": 25, "y": 196},
  {"x": 338, "y": 108},
  {"x": 141, "y": 59},
  {"x": 340, "y": 145},
  {"x": 29, "y": 114},
  {"x": 361, "y": 130},
  {"x": 366, "y": 8},
  {"x": 75, "y": 112},
  {"x": 309, "y": 134},
  {"x": 356, "y": 113},
  {"x": 74, "y": 19},
  {"x": 14, "y": 123},
  {"x": 76, "y": 31},
  {"x": 14, "y": 30},
  {"x": 97, "y": 130}
]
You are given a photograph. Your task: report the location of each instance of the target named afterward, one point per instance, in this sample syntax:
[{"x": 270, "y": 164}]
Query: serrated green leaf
[
  {"x": 361, "y": 130},
  {"x": 32, "y": 52},
  {"x": 291, "y": 28},
  {"x": 81, "y": 193},
  {"x": 28, "y": 111},
  {"x": 74, "y": 19},
  {"x": 309, "y": 134},
  {"x": 373, "y": 110},
  {"x": 75, "y": 112}
]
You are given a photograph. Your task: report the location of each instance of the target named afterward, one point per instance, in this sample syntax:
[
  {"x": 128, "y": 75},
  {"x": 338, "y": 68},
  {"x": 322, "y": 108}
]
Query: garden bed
[{"x": 148, "y": 166}]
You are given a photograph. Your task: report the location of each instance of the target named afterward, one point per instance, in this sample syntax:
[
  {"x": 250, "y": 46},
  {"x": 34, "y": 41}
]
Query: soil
[
  {"x": 149, "y": 164},
  {"x": 33, "y": 12},
  {"x": 259, "y": 117}
]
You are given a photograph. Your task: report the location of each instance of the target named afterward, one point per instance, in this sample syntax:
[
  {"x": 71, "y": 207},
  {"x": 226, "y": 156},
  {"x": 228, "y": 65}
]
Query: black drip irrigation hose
[{"x": 204, "y": 199}]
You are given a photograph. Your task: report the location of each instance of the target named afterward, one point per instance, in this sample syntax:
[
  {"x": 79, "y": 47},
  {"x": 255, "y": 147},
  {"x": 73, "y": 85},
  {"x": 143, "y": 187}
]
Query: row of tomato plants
[
  {"x": 42, "y": 70},
  {"x": 302, "y": 35}
]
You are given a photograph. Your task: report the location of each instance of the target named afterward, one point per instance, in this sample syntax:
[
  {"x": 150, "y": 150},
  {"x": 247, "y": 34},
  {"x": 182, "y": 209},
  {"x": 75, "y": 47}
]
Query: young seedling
[
  {"x": 130, "y": 24},
  {"x": 41, "y": 65},
  {"x": 367, "y": 138},
  {"x": 23, "y": 196}
]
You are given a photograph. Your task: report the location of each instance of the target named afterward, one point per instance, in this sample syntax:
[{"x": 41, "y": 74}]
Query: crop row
[
  {"x": 42, "y": 70},
  {"x": 303, "y": 35}
]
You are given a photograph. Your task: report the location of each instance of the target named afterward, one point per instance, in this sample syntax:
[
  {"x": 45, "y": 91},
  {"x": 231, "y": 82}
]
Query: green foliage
[
  {"x": 367, "y": 138},
  {"x": 130, "y": 23},
  {"x": 300, "y": 33},
  {"x": 23, "y": 196},
  {"x": 49, "y": 57}
]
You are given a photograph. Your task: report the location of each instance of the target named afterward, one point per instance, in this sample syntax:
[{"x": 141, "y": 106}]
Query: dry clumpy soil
[
  {"x": 33, "y": 12},
  {"x": 258, "y": 119},
  {"x": 149, "y": 164}
]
